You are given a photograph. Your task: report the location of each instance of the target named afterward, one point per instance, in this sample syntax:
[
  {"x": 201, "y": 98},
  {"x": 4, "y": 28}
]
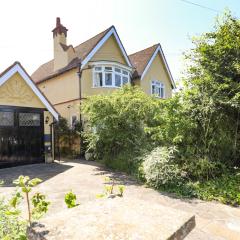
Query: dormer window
[
  {"x": 158, "y": 89},
  {"x": 110, "y": 76}
]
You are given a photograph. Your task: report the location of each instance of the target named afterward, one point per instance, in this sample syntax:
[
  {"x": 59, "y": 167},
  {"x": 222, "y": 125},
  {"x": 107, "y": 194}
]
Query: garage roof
[{"x": 18, "y": 68}]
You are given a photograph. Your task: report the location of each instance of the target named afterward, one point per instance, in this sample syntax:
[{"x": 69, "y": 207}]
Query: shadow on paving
[
  {"x": 124, "y": 179},
  {"x": 119, "y": 177},
  {"x": 42, "y": 171}
]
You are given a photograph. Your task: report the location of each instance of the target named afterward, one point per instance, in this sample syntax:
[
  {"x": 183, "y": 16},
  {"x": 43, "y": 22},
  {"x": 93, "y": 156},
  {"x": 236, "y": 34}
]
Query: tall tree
[{"x": 213, "y": 88}]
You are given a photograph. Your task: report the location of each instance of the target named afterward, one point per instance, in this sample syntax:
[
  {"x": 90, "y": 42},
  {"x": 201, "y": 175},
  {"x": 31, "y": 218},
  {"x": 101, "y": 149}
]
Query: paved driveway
[{"x": 214, "y": 221}]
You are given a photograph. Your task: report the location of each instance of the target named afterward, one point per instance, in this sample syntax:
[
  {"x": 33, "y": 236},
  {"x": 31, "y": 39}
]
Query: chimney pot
[
  {"x": 58, "y": 22},
  {"x": 59, "y": 29}
]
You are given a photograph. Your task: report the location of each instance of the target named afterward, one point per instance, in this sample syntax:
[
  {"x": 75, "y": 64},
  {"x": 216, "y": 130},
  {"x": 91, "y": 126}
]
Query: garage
[{"x": 26, "y": 120}]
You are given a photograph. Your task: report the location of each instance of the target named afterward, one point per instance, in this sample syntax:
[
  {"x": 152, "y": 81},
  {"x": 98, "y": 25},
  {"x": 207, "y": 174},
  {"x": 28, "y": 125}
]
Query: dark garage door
[{"x": 21, "y": 136}]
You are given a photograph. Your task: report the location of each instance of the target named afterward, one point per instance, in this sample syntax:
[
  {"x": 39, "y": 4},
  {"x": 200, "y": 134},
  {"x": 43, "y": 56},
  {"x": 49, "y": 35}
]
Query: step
[{"x": 118, "y": 218}]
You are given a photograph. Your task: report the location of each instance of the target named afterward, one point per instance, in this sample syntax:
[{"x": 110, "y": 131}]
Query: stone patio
[{"x": 213, "y": 220}]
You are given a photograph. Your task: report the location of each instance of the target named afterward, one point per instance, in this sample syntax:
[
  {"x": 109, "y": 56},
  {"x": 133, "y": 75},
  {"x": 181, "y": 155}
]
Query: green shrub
[
  {"x": 225, "y": 189},
  {"x": 12, "y": 226},
  {"x": 159, "y": 168},
  {"x": 109, "y": 189},
  {"x": 70, "y": 200},
  {"x": 40, "y": 205},
  {"x": 202, "y": 169},
  {"x": 25, "y": 185},
  {"x": 121, "y": 189},
  {"x": 115, "y": 130}
]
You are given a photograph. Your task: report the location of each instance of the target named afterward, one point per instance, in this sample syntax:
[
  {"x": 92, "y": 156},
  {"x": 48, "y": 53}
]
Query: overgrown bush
[
  {"x": 116, "y": 125},
  {"x": 159, "y": 167},
  {"x": 202, "y": 121},
  {"x": 225, "y": 189}
]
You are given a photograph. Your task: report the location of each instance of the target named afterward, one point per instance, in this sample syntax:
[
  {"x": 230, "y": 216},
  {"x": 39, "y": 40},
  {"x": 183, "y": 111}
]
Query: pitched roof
[
  {"x": 16, "y": 67},
  {"x": 143, "y": 59},
  {"x": 140, "y": 59},
  {"x": 46, "y": 71}
]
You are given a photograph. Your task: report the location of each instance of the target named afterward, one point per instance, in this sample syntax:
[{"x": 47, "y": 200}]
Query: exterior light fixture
[{"x": 47, "y": 119}]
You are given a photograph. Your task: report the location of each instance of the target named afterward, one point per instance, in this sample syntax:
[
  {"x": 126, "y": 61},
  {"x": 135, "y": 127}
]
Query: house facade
[
  {"x": 99, "y": 65},
  {"x": 26, "y": 119}
]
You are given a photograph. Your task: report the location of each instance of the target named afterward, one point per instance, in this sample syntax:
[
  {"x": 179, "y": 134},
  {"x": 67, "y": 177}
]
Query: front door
[{"x": 21, "y": 136}]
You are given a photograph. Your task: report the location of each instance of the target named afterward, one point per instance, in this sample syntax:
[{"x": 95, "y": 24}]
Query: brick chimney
[{"x": 60, "y": 45}]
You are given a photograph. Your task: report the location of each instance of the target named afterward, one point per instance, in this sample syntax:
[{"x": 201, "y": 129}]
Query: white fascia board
[
  {"x": 111, "y": 32},
  {"x": 18, "y": 69},
  {"x": 159, "y": 50},
  {"x": 110, "y": 63}
]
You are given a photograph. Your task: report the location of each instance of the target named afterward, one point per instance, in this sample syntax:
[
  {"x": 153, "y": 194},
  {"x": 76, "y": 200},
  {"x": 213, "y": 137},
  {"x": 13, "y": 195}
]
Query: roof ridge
[
  {"x": 155, "y": 45},
  {"x": 106, "y": 30},
  {"x": 8, "y": 68}
]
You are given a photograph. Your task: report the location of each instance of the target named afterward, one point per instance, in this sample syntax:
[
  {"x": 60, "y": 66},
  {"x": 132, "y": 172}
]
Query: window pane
[
  {"x": 29, "y": 119},
  {"x": 125, "y": 80},
  {"x": 98, "y": 68},
  {"x": 108, "y": 68},
  {"x": 125, "y": 72},
  {"x": 98, "y": 79},
  {"x": 108, "y": 79},
  {"x": 153, "y": 89},
  {"x": 118, "y": 70},
  {"x": 162, "y": 92},
  {"x": 6, "y": 119},
  {"x": 117, "y": 80}
]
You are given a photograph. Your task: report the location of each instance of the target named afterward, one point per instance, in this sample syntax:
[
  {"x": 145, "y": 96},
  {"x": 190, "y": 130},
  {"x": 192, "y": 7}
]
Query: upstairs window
[
  {"x": 106, "y": 76},
  {"x": 98, "y": 77},
  {"x": 158, "y": 89}
]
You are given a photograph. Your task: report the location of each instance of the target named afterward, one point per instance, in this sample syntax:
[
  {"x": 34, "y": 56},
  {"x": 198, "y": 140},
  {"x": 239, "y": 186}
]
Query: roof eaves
[
  {"x": 101, "y": 41},
  {"x": 21, "y": 70},
  {"x": 159, "y": 49}
]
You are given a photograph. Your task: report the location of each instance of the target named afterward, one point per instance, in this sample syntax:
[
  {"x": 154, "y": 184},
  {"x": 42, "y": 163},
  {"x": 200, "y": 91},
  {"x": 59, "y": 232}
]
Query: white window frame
[
  {"x": 114, "y": 73},
  {"x": 159, "y": 85}
]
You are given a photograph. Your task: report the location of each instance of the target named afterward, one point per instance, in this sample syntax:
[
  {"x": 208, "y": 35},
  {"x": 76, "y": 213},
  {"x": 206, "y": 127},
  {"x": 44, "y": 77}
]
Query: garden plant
[
  {"x": 12, "y": 224},
  {"x": 189, "y": 144}
]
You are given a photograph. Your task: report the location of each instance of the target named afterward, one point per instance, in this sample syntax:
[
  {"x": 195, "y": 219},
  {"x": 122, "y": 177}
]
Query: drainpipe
[
  {"x": 79, "y": 73},
  {"x": 53, "y": 140}
]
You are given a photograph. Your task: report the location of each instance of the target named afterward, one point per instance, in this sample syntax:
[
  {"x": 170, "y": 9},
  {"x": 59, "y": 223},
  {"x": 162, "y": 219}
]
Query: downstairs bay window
[
  {"x": 110, "y": 76},
  {"x": 158, "y": 89}
]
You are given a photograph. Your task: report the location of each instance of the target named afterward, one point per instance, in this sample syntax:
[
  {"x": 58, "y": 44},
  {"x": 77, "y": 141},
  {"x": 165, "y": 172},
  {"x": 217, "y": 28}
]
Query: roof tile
[
  {"x": 46, "y": 70},
  {"x": 140, "y": 59}
]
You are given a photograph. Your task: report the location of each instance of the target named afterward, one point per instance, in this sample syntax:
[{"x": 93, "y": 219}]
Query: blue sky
[{"x": 26, "y": 26}]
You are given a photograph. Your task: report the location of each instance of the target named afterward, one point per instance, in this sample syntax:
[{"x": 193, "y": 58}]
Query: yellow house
[
  {"x": 26, "y": 119},
  {"x": 99, "y": 65}
]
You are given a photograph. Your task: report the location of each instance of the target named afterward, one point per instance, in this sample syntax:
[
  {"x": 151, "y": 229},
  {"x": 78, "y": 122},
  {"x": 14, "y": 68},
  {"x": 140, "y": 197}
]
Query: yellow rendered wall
[
  {"x": 69, "y": 109},
  {"x": 110, "y": 51},
  {"x": 47, "y": 125},
  {"x": 136, "y": 82},
  {"x": 16, "y": 92},
  {"x": 158, "y": 72},
  {"x": 62, "y": 88}
]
